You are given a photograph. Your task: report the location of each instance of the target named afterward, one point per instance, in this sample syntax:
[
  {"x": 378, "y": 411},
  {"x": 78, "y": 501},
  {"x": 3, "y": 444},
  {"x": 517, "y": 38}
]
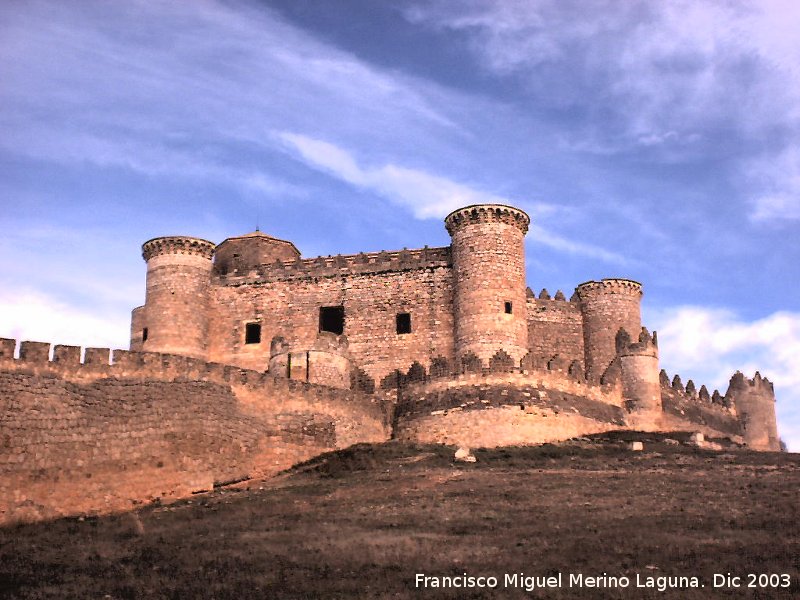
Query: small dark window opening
[
  {"x": 331, "y": 318},
  {"x": 144, "y": 334},
  {"x": 403, "y": 323},
  {"x": 252, "y": 333},
  {"x": 508, "y": 308}
]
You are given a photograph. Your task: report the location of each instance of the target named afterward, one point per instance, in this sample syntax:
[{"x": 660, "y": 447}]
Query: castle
[{"x": 246, "y": 358}]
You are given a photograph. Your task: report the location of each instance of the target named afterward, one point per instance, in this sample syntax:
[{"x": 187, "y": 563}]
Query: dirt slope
[{"x": 365, "y": 521}]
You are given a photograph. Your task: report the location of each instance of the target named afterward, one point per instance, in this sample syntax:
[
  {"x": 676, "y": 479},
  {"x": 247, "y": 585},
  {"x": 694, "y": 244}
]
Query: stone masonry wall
[
  {"x": 607, "y": 306},
  {"x": 505, "y": 409},
  {"x": 555, "y": 326},
  {"x": 286, "y": 300},
  {"x": 176, "y": 299},
  {"x": 95, "y": 437},
  {"x": 489, "y": 281}
]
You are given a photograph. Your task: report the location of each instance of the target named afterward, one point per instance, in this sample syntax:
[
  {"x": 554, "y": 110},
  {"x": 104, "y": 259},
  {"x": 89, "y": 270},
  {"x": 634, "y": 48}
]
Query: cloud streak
[
  {"x": 428, "y": 195},
  {"x": 676, "y": 80},
  {"x": 179, "y": 90}
]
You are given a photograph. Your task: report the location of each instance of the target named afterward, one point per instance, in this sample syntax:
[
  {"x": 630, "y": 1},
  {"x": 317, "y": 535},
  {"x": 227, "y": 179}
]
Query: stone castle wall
[
  {"x": 176, "y": 310},
  {"x": 489, "y": 309},
  {"x": 555, "y": 327},
  {"x": 99, "y": 436},
  {"x": 502, "y": 405},
  {"x": 607, "y": 306},
  {"x": 285, "y": 300}
]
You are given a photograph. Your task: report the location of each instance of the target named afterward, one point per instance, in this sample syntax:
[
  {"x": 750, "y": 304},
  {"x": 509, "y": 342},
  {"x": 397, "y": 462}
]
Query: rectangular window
[
  {"x": 508, "y": 307},
  {"x": 403, "y": 322},
  {"x": 252, "y": 333},
  {"x": 144, "y": 334},
  {"x": 331, "y": 318}
]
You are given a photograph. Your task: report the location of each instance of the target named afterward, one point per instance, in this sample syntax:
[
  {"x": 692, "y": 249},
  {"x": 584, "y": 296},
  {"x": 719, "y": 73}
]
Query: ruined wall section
[
  {"x": 754, "y": 402},
  {"x": 327, "y": 362},
  {"x": 555, "y": 327},
  {"x": 102, "y": 435},
  {"x": 688, "y": 408},
  {"x": 285, "y": 299}
]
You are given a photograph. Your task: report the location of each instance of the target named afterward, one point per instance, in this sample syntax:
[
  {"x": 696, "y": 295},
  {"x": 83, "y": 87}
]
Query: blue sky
[{"x": 658, "y": 141}]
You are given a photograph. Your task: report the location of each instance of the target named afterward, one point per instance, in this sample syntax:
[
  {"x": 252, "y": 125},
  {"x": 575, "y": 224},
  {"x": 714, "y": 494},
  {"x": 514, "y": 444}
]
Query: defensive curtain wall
[{"x": 104, "y": 435}]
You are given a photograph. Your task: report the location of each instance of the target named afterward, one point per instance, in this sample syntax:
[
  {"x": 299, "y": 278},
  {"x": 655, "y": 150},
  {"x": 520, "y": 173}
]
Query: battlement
[
  {"x": 350, "y": 264},
  {"x": 557, "y": 372},
  {"x": 757, "y": 383},
  {"x": 691, "y": 393},
  {"x": 646, "y": 344},
  {"x": 487, "y": 213},
  {"x": 177, "y": 245},
  {"x": 589, "y": 289},
  {"x": 103, "y": 363},
  {"x": 545, "y": 295}
]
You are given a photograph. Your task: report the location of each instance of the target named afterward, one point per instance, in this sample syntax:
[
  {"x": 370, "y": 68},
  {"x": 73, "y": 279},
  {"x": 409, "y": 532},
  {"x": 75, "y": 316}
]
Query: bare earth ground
[{"x": 361, "y": 523}]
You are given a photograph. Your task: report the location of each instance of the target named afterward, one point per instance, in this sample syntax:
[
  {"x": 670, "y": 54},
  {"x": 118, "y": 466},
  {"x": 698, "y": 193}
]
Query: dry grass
[{"x": 362, "y": 522}]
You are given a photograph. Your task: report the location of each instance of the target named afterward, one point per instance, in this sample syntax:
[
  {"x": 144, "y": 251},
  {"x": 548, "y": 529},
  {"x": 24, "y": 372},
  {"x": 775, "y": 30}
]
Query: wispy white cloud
[
  {"x": 681, "y": 79},
  {"x": 556, "y": 242},
  {"x": 779, "y": 178},
  {"x": 425, "y": 194},
  {"x": 36, "y": 316},
  {"x": 428, "y": 195},
  {"x": 190, "y": 91},
  {"x": 708, "y": 345}
]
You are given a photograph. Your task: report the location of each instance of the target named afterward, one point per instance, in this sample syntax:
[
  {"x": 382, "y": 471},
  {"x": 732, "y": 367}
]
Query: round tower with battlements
[
  {"x": 641, "y": 386},
  {"x": 174, "y": 318},
  {"x": 607, "y": 306},
  {"x": 754, "y": 400},
  {"x": 489, "y": 280}
]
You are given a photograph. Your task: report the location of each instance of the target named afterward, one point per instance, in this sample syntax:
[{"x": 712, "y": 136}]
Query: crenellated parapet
[
  {"x": 487, "y": 213},
  {"x": 104, "y": 363},
  {"x": 178, "y": 245},
  {"x": 545, "y": 296},
  {"x": 746, "y": 411},
  {"x": 363, "y": 263},
  {"x": 754, "y": 401},
  {"x": 556, "y": 371},
  {"x": 628, "y": 287}
]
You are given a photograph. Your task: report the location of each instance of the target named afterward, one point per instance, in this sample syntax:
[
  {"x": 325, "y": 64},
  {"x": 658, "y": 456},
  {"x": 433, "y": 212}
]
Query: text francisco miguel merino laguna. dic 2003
[{"x": 604, "y": 581}]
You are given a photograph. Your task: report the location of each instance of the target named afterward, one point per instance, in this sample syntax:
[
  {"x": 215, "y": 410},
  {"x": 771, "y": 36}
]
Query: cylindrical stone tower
[
  {"x": 606, "y": 306},
  {"x": 489, "y": 280},
  {"x": 641, "y": 386},
  {"x": 754, "y": 400},
  {"x": 176, "y": 301}
]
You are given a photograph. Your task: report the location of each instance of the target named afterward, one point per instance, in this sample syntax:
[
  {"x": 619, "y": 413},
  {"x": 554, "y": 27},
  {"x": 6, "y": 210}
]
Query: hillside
[{"x": 363, "y": 522}]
